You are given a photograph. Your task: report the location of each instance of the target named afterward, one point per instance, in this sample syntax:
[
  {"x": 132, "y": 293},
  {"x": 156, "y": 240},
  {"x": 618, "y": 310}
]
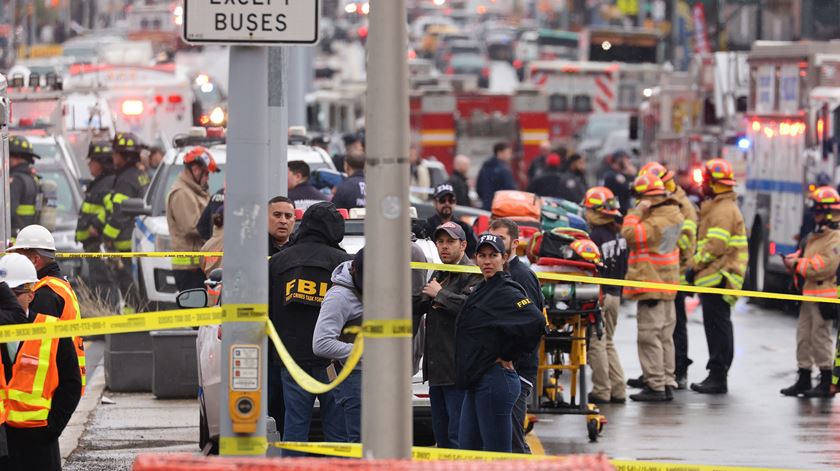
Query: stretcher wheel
[
  {"x": 593, "y": 428},
  {"x": 530, "y": 421}
]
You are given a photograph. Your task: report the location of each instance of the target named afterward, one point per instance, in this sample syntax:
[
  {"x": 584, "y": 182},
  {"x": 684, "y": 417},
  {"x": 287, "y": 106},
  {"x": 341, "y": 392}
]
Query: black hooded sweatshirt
[{"x": 299, "y": 277}]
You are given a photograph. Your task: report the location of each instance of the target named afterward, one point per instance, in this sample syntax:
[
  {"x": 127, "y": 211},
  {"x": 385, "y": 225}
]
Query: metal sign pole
[
  {"x": 278, "y": 122},
  {"x": 5, "y": 204},
  {"x": 386, "y": 378},
  {"x": 244, "y": 359}
]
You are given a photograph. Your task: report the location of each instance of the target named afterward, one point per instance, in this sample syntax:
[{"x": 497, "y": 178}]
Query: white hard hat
[
  {"x": 33, "y": 237},
  {"x": 16, "y": 270}
]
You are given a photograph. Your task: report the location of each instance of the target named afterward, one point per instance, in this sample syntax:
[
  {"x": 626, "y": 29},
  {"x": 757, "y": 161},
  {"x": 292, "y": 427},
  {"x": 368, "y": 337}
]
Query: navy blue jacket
[
  {"x": 520, "y": 273},
  {"x": 498, "y": 320},
  {"x": 305, "y": 195},
  {"x": 494, "y": 176},
  {"x": 351, "y": 192}
]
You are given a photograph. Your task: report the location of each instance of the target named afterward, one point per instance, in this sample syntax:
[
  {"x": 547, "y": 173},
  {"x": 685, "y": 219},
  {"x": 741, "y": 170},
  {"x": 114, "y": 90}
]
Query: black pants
[
  {"x": 188, "y": 279},
  {"x": 520, "y": 410},
  {"x": 276, "y": 405},
  {"x": 101, "y": 281},
  {"x": 681, "y": 338},
  {"x": 26, "y": 454},
  {"x": 719, "y": 336},
  {"x": 125, "y": 278}
]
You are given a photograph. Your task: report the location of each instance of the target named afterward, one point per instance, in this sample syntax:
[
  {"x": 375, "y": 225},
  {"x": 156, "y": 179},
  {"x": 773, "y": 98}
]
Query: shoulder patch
[{"x": 523, "y": 302}]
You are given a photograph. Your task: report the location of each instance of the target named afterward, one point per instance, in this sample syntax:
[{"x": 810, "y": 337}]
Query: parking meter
[{"x": 245, "y": 387}]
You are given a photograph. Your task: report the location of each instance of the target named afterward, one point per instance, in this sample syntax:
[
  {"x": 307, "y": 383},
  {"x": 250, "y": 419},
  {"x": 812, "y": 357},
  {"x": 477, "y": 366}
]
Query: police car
[
  {"x": 209, "y": 345},
  {"x": 154, "y": 276}
]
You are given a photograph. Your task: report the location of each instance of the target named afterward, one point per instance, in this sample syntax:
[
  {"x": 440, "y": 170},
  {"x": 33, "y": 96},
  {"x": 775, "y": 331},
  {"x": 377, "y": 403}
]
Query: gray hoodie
[{"x": 340, "y": 305}]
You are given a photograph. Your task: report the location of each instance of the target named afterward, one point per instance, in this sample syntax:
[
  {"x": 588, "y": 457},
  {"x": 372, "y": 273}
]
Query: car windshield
[
  {"x": 67, "y": 212},
  {"x": 467, "y": 60},
  {"x": 48, "y": 151},
  {"x": 602, "y": 126}
]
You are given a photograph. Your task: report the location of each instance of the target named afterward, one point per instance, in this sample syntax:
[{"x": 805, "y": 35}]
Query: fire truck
[
  {"x": 5, "y": 217},
  {"x": 793, "y": 120},
  {"x": 577, "y": 90}
]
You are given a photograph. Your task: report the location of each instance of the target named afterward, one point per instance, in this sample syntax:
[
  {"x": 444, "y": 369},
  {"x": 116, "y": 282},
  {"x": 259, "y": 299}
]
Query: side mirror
[
  {"x": 192, "y": 298},
  {"x": 136, "y": 207}
]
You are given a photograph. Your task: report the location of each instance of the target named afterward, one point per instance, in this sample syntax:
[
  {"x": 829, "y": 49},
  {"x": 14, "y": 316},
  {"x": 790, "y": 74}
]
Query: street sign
[{"x": 255, "y": 22}]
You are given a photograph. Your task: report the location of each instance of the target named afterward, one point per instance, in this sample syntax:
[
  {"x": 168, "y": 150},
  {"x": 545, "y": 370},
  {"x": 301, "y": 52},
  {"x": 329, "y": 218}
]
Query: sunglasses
[
  {"x": 24, "y": 289},
  {"x": 446, "y": 199}
]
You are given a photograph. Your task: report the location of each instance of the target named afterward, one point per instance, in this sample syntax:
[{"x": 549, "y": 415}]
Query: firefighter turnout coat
[
  {"x": 818, "y": 265},
  {"x": 652, "y": 240},
  {"x": 24, "y": 189},
  {"x": 186, "y": 201},
  {"x": 129, "y": 182},
  {"x": 688, "y": 237},
  {"x": 722, "y": 252},
  {"x": 92, "y": 213}
]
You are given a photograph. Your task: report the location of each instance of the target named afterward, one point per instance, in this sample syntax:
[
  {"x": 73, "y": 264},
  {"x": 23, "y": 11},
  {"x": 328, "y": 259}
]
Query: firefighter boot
[
  {"x": 823, "y": 389},
  {"x": 802, "y": 384},
  {"x": 715, "y": 383}
]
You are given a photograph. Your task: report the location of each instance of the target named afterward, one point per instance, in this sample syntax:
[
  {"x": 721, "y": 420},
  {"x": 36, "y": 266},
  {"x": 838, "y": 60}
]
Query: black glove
[{"x": 689, "y": 276}]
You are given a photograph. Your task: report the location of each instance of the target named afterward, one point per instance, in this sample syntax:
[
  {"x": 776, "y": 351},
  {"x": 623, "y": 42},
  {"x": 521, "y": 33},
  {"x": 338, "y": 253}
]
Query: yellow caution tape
[
  {"x": 121, "y": 324},
  {"x": 354, "y": 450},
  {"x": 243, "y": 446},
  {"x": 245, "y": 312},
  {"x": 386, "y": 328},
  {"x": 472, "y": 269},
  {"x": 301, "y": 377},
  {"x": 634, "y": 284}
]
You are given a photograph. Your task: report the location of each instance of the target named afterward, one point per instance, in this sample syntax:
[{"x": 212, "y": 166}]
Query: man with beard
[{"x": 444, "y": 200}]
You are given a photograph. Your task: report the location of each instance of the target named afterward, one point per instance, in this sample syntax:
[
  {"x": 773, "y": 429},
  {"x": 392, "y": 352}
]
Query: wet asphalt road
[{"x": 753, "y": 425}]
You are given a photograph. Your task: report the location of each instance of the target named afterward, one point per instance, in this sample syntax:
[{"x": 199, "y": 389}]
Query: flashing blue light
[{"x": 743, "y": 143}]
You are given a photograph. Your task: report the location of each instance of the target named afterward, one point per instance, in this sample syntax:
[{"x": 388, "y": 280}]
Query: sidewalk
[{"x": 104, "y": 436}]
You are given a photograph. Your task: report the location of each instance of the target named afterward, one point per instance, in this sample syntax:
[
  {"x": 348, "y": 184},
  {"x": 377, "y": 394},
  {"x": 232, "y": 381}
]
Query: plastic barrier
[{"x": 189, "y": 462}]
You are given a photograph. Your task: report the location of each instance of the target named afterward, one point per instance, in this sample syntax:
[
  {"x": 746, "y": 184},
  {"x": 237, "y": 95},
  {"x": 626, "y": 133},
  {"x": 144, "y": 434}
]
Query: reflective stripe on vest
[
  {"x": 25, "y": 210},
  {"x": 191, "y": 262},
  {"x": 71, "y": 312},
  {"x": 4, "y": 395},
  {"x": 34, "y": 380}
]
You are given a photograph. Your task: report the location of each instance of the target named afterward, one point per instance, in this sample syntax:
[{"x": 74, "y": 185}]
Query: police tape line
[
  {"x": 549, "y": 276},
  {"x": 594, "y": 280},
  {"x": 141, "y": 322},
  {"x": 354, "y": 450}
]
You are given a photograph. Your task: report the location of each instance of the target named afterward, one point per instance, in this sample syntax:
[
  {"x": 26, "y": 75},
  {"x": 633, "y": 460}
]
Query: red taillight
[
  {"x": 485, "y": 72},
  {"x": 450, "y": 70},
  {"x": 772, "y": 248},
  {"x": 159, "y": 100},
  {"x": 132, "y": 107},
  {"x": 517, "y": 64},
  {"x": 363, "y": 32},
  {"x": 174, "y": 99},
  {"x": 203, "y": 120}
]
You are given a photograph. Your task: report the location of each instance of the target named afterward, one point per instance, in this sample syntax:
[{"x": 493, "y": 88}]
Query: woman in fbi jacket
[{"x": 497, "y": 325}]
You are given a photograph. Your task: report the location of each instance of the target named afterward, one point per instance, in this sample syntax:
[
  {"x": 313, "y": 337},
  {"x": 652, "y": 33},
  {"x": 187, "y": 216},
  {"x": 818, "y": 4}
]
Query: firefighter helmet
[
  {"x": 720, "y": 171},
  {"x": 127, "y": 143},
  {"x": 101, "y": 151},
  {"x": 21, "y": 147},
  {"x": 648, "y": 184},
  {"x": 201, "y": 156},
  {"x": 657, "y": 169},
  {"x": 587, "y": 250},
  {"x": 825, "y": 199},
  {"x": 602, "y": 200}
]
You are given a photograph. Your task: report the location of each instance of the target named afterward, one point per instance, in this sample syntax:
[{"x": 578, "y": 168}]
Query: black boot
[
  {"x": 802, "y": 384},
  {"x": 637, "y": 382},
  {"x": 682, "y": 381},
  {"x": 823, "y": 389},
  {"x": 649, "y": 395},
  {"x": 715, "y": 383}
]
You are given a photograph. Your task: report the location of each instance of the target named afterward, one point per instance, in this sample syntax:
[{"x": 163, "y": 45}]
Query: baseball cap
[
  {"x": 493, "y": 241},
  {"x": 443, "y": 190},
  {"x": 454, "y": 230}
]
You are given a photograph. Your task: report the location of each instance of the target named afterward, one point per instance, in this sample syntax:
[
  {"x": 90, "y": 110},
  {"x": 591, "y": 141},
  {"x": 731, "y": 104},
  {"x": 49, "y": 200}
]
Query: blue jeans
[
  {"x": 446, "y": 414},
  {"x": 299, "y": 406},
  {"x": 348, "y": 395},
  {"x": 486, "y": 413}
]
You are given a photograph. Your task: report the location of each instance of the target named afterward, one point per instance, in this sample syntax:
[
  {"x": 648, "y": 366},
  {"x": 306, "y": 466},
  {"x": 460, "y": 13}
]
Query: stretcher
[{"x": 573, "y": 316}]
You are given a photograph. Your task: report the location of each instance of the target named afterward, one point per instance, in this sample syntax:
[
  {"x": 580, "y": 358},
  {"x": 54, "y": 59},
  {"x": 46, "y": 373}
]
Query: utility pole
[
  {"x": 5, "y": 206},
  {"x": 386, "y": 378},
  {"x": 300, "y": 77},
  {"x": 246, "y": 272},
  {"x": 278, "y": 122}
]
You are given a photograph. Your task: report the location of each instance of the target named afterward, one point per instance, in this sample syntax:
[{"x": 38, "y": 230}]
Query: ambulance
[
  {"x": 793, "y": 119},
  {"x": 153, "y": 102}
]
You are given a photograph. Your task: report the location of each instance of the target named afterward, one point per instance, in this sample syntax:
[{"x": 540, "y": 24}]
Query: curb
[{"x": 72, "y": 434}]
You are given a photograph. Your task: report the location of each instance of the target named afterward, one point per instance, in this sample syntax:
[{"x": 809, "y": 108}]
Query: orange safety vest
[
  {"x": 4, "y": 394},
  {"x": 71, "y": 312},
  {"x": 34, "y": 380}
]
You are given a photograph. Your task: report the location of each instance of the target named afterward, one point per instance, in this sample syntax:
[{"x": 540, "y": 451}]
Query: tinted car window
[{"x": 66, "y": 208}]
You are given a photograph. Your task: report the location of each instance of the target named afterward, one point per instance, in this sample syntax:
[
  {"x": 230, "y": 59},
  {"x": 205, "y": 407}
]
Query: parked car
[
  {"x": 151, "y": 232},
  {"x": 209, "y": 344}
]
